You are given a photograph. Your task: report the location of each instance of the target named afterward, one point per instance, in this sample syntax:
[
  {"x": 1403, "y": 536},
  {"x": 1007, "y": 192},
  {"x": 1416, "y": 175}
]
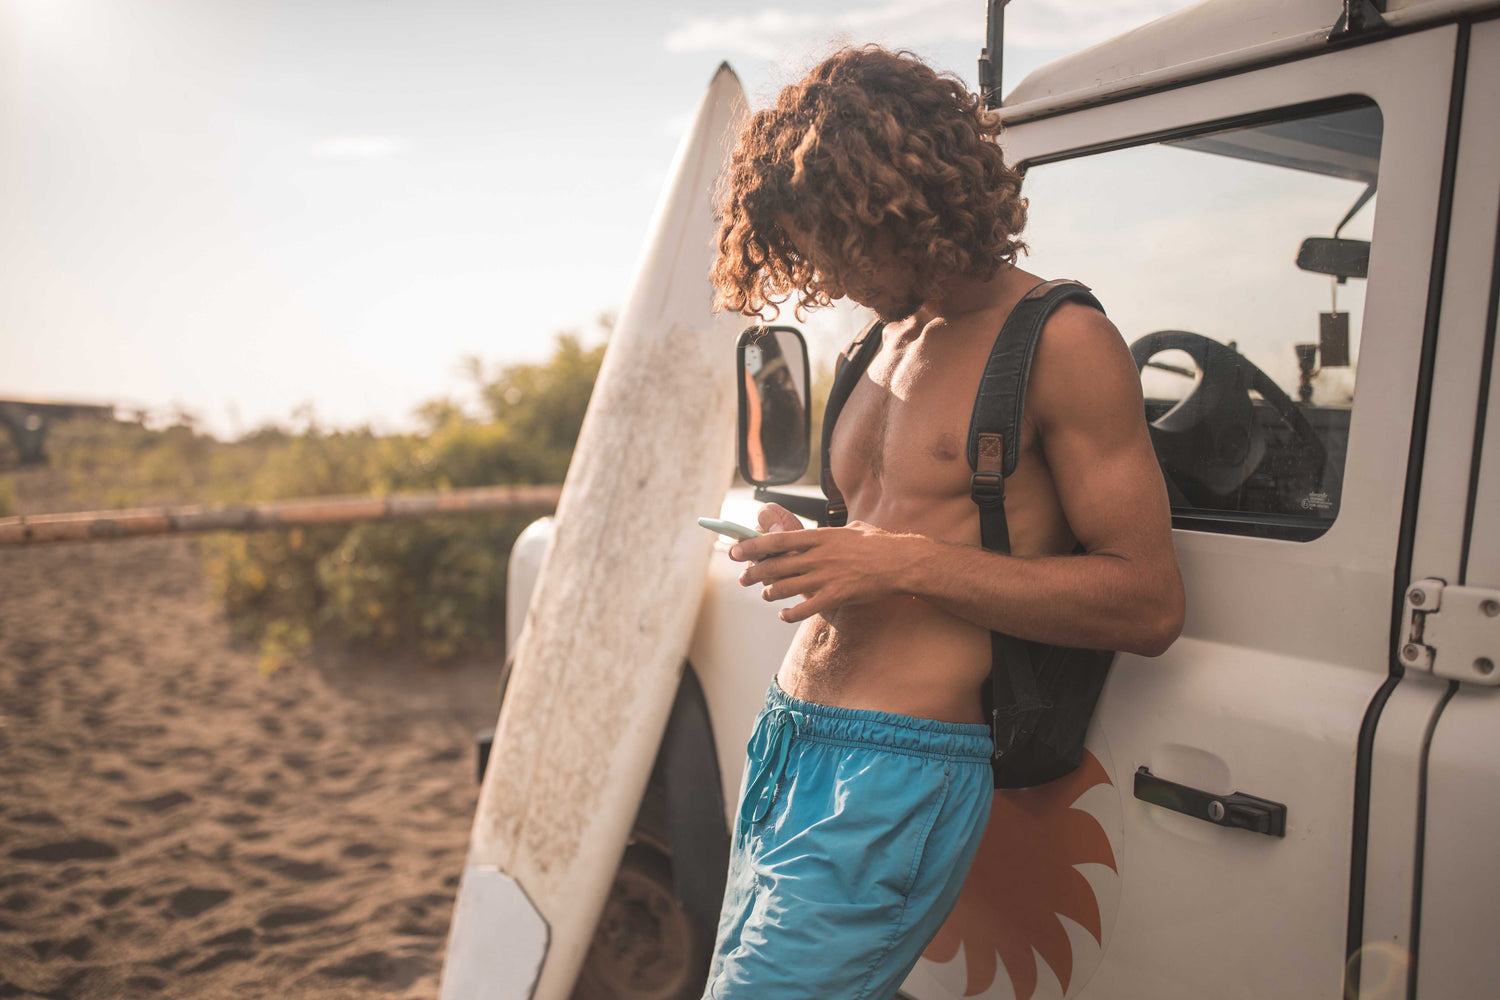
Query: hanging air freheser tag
[{"x": 1333, "y": 340}]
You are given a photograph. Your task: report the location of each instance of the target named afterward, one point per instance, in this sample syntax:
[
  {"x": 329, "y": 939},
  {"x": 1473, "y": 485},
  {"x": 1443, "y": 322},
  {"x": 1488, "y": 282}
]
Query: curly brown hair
[{"x": 870, "y": 142}]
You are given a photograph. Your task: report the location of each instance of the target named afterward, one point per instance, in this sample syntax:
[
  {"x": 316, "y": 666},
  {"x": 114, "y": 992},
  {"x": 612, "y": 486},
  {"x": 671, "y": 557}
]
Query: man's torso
[{"x": 898, "y": 457}]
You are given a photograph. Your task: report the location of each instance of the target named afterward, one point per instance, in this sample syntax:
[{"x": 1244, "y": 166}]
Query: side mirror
[
  {"x": 1341, "y": 258},
  {"x": 772, "y": 375}
]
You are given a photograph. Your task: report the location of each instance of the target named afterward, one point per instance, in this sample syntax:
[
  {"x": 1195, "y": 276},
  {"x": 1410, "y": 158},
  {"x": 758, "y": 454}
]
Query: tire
[{"x": 646, "y": 946}]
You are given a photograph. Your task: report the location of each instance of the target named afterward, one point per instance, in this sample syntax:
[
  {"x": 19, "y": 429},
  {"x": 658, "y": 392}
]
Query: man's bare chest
[
  {"x": 899, "y": 452},
  {"x": 902, "y": 435}
]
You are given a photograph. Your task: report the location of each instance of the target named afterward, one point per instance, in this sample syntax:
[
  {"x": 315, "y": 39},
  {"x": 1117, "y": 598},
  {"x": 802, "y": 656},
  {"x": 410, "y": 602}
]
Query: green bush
[
  {"x": 120, "y": 464},
  {"x": 8, "y": 500},
  {"x": 436, "y": 584}
]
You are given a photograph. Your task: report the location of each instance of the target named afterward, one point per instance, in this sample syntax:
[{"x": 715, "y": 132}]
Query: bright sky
[{"x": 244, "y": 206}]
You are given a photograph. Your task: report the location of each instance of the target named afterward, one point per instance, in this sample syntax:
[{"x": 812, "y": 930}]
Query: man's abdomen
[{"x": 898, "y": 655}]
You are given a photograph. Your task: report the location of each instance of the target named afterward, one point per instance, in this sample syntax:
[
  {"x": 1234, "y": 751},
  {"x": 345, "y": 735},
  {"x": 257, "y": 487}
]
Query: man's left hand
[{"x": 830, "y": 567}]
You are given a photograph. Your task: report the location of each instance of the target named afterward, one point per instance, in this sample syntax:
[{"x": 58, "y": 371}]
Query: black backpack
[{"x": 1040, "y": 698}]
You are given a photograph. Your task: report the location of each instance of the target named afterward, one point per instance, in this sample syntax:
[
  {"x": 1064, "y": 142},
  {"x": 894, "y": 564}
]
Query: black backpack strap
[
  {"x": 993, "y": 450},
  {"x": 853, "y": 361},
  {"x": 995, "y": 426}
]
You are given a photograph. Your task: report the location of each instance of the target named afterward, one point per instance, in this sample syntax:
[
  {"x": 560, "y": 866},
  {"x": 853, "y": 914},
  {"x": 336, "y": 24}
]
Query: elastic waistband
[{"x": 885, "y": 730}]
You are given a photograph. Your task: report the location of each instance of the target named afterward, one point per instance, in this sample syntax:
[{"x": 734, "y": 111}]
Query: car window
[{"x": 1214, "y": 253}]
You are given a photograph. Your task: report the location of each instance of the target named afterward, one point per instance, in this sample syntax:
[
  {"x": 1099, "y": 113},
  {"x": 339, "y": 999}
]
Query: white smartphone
[{"x": 736, "y": 531}]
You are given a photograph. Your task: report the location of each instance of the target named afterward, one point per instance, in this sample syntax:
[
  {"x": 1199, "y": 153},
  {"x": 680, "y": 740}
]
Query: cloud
[
  {"x": 361, "y": 147},
  {"x": 773, "y": 33}
]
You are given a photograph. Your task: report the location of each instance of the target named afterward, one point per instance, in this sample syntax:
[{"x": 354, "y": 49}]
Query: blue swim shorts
[{"x": 856, "y": 830}]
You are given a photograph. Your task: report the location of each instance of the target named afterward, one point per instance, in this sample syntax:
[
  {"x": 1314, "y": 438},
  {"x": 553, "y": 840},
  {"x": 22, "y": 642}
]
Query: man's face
[{"x": 888, "y": 289}]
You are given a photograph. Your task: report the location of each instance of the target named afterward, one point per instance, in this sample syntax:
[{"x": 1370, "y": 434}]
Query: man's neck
[{"x": 961, "y": 296}]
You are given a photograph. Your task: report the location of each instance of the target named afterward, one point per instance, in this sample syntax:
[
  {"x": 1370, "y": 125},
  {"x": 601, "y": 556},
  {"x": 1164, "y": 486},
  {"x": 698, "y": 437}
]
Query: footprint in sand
[
  {"x": 382, "y": 968},
  {"x": 302, "y": 871},
  {"x": 296, "y": 761},
  {"x": 238, "y": 936},
  {"x": 220, "y": 958},
  {"x": 416, "y": 917},
  {"x": 82, "y": 849},
  {"x": 192, "y": 901},
  {"x": 161, "y": 803},
  {"x": 363, "y": 850},
  {"x": 77, "y": 948},
  {"x": 286, "y": 916},
  {"x": 19, "y": 902},
  {"x": 114, "y": 897}
]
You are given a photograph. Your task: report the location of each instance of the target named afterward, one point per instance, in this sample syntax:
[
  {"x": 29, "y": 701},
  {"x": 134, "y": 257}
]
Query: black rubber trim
[
  {"x": 1417, "y": 449},
  {"x": 1356, "y": 42},
  {"x": 687, "y": 768},
  {"x": 1359, "y": 848},
  {"x": 1416, "y": 890},
  {"x": 1293, "y": 529},
  {"x": 1485, "y": 375}
]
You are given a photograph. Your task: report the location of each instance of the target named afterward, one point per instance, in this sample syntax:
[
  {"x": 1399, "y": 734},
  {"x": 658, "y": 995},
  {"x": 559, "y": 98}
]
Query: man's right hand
[{"x": 774, "y": 517}]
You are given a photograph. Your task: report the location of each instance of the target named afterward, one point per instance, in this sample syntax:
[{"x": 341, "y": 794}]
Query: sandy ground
[{"x": 175, "y": 824}]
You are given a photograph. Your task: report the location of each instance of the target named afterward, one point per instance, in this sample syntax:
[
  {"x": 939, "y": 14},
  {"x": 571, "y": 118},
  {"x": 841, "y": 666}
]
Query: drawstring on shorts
[{"x": 781, "y": 725}]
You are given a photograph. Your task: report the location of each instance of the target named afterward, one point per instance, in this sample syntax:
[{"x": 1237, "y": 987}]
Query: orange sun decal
[{"x": 1024, "y": 878}]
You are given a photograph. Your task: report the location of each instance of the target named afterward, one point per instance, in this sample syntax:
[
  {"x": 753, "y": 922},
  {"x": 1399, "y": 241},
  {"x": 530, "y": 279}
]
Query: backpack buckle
[{"x": 987, "y": 488}]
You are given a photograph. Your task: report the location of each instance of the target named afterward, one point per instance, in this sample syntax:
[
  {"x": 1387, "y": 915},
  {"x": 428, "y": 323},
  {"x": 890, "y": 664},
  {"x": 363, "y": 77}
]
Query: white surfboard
[{"x": 601, "y": 653}]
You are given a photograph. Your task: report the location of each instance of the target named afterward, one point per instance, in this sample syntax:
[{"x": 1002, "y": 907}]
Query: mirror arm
[
  {"x": 812, "y": 508},
  {"x": 1358, "y": 204}
]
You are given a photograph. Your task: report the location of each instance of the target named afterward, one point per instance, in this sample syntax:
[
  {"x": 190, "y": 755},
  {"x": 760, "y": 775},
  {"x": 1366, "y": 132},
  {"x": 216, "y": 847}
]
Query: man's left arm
[{"x": 1123, "y": 592}]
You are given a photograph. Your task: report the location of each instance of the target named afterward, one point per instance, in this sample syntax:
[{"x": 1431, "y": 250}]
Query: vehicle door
[
  {"x": 1439, "y": 931},
  {"x": 1283, "y": 402}
]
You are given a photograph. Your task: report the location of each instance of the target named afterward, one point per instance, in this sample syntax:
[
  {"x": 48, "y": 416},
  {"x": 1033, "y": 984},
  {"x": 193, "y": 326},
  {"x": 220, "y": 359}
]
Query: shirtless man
[{"x": 868, "y": 784}]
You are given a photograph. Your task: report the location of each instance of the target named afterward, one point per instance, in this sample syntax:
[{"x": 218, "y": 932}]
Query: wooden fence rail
[{"x": 101, "y": 525}]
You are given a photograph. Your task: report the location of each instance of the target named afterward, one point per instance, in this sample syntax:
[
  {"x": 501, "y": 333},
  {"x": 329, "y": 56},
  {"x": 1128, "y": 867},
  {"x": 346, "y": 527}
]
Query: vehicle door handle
[{"x": 1241, "y": 811}]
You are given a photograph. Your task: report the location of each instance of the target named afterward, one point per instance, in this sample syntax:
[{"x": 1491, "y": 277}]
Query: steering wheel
[{"x": 1209, "y": 443}]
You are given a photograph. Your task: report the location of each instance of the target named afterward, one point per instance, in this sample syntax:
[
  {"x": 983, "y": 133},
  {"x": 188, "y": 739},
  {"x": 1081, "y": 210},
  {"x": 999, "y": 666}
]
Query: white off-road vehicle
[{"x": 1291, "y": 209}]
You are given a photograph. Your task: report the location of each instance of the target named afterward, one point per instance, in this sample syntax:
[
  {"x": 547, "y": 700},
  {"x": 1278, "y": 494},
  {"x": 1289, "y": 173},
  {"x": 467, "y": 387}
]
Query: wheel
[
  {"x": 646, "y": 946},
  {"x": 1209, "y": 443}
]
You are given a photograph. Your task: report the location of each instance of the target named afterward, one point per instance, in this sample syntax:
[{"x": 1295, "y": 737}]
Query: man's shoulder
[
  {"x": 1081, "y": 359},
  {"x": 1077, "y": 325},
  {"x": 1076, "y": 322}
]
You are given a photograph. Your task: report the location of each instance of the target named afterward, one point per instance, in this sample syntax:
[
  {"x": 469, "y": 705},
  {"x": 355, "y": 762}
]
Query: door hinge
[{"x": 1452, "y": 632}]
